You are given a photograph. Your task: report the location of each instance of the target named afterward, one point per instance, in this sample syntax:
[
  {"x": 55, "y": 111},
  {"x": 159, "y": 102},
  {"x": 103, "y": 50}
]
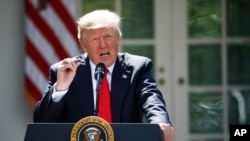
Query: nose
[{"x": 103, "y": 44}]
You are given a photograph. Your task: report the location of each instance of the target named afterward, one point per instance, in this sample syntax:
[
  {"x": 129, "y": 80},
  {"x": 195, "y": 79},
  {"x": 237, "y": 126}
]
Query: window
[{"x": 219, "y": 56}]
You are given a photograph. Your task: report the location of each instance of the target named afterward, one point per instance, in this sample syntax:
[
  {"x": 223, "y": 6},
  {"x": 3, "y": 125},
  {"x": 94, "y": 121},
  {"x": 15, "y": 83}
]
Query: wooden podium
[{"x": 122, "y": 132}]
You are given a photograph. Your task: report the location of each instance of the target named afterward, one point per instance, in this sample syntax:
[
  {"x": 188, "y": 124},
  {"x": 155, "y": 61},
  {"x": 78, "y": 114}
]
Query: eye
[
  {"x": 94, "y": 39},
  {"x": 108, "y": 36}
]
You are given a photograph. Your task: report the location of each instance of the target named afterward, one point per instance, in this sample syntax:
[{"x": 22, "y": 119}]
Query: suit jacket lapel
[
  {"x": 84, "y": 87},
  {"x": 121, "y": 78}
]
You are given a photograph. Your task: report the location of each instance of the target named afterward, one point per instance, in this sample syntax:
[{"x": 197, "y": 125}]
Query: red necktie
[{"x": 104, "y": 99}]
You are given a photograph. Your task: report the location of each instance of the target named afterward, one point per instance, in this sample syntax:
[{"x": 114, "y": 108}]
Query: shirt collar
[{"x": 93, "y": 66}]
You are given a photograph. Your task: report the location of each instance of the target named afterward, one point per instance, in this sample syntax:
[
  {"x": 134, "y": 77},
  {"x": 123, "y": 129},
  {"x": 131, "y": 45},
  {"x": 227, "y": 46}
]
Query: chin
[{"x": 108, "y": 63}]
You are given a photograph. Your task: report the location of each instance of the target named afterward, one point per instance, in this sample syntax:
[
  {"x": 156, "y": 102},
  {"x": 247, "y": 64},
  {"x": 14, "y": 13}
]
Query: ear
[
  {"x": 82, "y": 46},
  {"x": 119, "y": 41}
]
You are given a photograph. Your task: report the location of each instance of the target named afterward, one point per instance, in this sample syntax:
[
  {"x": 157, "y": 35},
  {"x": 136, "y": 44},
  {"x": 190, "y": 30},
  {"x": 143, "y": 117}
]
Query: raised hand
[{"x": 66, "y": 73}]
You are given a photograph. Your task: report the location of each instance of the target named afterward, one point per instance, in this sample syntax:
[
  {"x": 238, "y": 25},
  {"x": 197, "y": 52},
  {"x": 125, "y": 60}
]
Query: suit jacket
[{"x": 133, "y": 93}]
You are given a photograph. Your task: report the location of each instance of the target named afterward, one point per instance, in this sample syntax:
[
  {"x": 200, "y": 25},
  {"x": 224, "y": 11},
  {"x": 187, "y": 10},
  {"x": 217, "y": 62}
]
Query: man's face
[{"x": 101, "y": 45}]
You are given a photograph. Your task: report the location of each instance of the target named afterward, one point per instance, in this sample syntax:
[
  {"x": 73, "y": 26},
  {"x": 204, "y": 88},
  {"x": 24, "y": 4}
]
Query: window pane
[
  {"x": 204, "y": 65},
  {"x": 206, "y": 113},
  {"x": 138, "y": 18},
  {"x": 90, "y": 5},
  {"x": 239, "y": 108},
  {"x": 238, "y": 64},
  {"x": 238, "y": 18},
  {"x": 204, "y": 18},
  {"x": 144, "y": 50}
]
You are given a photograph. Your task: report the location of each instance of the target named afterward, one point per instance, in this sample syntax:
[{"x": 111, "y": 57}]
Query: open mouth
[{"x": 105, "y": 54}]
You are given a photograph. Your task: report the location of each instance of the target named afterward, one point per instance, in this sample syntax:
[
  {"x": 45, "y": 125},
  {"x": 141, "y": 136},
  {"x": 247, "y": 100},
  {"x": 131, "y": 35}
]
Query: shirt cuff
[{"x": 57, "y": 96}]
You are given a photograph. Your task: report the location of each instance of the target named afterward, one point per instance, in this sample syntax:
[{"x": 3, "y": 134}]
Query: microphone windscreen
[{"x": 99, "y": 71}]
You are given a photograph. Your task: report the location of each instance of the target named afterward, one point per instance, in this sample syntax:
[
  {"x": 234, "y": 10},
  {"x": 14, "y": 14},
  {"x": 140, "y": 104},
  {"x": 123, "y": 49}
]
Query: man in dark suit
[{"x": 71, "y": 94}]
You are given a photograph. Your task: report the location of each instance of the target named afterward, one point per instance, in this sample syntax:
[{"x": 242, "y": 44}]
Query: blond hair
[{"x": 98, "y": 19}]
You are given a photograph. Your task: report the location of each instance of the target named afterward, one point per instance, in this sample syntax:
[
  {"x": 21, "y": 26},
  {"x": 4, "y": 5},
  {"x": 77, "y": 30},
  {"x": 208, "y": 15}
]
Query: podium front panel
[{"x": 122, "y": 132}]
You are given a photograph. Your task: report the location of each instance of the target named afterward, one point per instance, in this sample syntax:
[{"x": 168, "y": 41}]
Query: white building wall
[{"x": 15, "y": 111}]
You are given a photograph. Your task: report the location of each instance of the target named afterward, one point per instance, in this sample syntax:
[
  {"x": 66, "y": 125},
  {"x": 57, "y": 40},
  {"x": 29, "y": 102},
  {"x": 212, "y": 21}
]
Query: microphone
[
  {"x": 99, "y": 72},
  {"x": 99, "y": 75}
]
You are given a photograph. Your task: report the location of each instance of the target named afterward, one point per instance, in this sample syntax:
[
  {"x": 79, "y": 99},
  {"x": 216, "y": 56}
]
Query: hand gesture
[{"x": 66, "y": 73}]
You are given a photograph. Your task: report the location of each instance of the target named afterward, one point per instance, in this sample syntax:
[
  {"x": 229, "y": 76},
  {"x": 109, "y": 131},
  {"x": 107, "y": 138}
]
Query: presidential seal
[{"x": 92, "y": 128}]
